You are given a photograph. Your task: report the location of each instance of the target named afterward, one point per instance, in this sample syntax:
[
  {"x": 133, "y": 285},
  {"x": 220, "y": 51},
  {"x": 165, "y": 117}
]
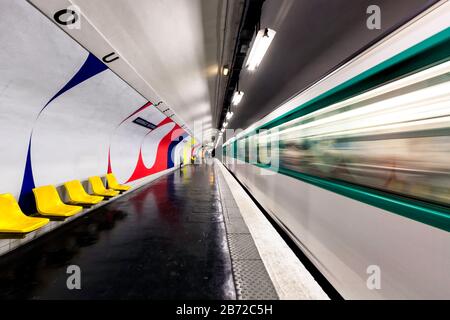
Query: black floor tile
[{"x": 164, "y": 241}]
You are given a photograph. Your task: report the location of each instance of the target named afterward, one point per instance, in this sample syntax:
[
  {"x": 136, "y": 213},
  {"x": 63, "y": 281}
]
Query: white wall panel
[
  {"x": 36, "y": 60},
  {"x": 127, "y": 140},
  {"x": 151, "y": 143},
  {"x": 177, "y": 153},
  {"x": 85, "y": 117}
]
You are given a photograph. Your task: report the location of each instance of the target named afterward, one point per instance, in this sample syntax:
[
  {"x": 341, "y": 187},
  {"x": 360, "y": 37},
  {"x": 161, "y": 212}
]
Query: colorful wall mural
[{"x": 64, "y": 115}]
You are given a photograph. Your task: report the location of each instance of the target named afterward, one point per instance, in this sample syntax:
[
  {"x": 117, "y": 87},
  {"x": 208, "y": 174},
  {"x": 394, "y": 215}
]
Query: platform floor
[{"x": 166, "y": 240}]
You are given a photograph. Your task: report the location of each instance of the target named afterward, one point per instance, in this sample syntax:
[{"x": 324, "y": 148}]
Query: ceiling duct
[{"x": 248, "y": 26}]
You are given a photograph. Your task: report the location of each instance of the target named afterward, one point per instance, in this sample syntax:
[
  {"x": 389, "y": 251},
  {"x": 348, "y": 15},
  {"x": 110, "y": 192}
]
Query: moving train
[{"x": 356, "y": 168}]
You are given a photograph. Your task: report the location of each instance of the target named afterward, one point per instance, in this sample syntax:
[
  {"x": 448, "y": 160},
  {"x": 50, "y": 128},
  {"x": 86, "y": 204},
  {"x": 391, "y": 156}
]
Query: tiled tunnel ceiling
[{"x": 313, "y": 37}]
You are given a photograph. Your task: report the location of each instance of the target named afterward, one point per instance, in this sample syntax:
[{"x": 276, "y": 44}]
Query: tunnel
[{"x": 224, "y": 152}]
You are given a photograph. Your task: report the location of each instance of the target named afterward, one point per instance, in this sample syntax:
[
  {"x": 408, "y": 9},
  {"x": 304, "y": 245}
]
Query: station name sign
[{"x": 144, "y": 123}]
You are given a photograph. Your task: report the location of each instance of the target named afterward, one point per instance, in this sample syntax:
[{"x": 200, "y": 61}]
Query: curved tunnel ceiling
[
  {"x": 169, "y": 53},
  {"x": 313, "y": 37}
]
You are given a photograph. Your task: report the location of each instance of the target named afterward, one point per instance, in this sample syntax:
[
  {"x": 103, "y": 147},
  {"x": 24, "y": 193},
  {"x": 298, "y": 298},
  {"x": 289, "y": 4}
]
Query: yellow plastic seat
[
  {"x": 78, "y": 195},
  {"x": 49, "y": 203},
  {"x": 99, "y": 189},
  {"x": 113, "y": 184},
  {"x": 13, "y": 220}
]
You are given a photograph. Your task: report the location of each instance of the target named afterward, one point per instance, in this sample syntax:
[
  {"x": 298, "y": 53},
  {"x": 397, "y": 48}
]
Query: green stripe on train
[{"x": 433, "y": 215}]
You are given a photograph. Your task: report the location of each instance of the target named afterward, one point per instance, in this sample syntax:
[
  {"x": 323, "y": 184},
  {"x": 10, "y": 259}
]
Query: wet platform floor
[{"x": 166, "y": 240}]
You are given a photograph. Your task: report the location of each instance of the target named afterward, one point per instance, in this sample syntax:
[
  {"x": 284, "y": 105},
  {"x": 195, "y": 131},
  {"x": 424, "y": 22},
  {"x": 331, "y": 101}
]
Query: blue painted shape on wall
[
  {"x": 91, "y": 67},
  {"x": 26, "y": 199},
  {"x": 173, "y": 144}
]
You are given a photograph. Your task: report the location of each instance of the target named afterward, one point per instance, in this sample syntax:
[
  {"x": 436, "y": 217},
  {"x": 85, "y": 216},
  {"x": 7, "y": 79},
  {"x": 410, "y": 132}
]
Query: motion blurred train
[{"x": 356, "y": 168}]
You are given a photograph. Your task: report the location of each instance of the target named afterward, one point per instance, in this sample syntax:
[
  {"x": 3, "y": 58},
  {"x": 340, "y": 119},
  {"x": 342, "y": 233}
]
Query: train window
[
  {"x": 247, "y": 149},
  {"x": 241, "y": 149},
  {"x": 394, "y": 138},
  {"x": 252, "y": 149},
  {"x": 263, "y": 149},
  {"x": 229, "y": 152}
]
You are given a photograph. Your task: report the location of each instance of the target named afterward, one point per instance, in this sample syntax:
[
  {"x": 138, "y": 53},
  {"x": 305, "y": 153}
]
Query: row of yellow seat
[{"x": 49, "y": 203}]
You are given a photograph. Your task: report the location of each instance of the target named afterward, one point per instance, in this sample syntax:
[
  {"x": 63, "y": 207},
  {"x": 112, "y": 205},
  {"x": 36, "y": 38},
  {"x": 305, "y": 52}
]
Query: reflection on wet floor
[{"x": 163, "y": 241}]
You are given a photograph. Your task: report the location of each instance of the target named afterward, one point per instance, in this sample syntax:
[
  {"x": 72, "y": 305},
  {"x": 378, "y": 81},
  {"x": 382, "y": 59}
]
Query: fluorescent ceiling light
[
  {"x": 237, "y": 97},
  {"x": 229, "y": 115},
  {"x": 259, "y": 48},
  {"x": 225, "y": 70}
]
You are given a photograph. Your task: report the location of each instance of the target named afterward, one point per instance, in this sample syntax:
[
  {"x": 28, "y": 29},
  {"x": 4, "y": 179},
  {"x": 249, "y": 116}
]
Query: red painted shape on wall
[
  {"x": 160, "y": 164},
  {"x": 145, "y": 106},
  {"x": 109, "y": 160}
]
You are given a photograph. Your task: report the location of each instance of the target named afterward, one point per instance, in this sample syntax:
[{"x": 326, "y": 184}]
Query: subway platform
[{"x": 191, "y": 234}]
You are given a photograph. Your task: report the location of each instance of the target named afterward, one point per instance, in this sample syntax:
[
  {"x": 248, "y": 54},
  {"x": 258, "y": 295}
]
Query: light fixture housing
[
  {"x": 237, "y": 97},
  {"x": 229, "y": 115},
  {"x": 225, "y": 70},
  {"x": 259, "y": 48}
]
